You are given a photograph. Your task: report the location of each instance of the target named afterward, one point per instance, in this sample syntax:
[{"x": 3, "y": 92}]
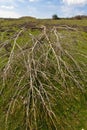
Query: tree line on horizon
[{"x": 79, "y": 17}]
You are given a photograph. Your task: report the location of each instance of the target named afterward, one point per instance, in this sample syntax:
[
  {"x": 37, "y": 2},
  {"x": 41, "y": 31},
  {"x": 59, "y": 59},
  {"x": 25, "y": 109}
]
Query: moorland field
[{"x": 43, "y": 74}]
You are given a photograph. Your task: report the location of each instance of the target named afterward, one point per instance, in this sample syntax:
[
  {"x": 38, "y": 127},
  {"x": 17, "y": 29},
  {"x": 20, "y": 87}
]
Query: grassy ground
[{"x": 43, "y": 74}]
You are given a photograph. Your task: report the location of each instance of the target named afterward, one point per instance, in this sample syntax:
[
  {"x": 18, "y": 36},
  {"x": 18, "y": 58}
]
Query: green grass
[{"x": 43, "y": 75}]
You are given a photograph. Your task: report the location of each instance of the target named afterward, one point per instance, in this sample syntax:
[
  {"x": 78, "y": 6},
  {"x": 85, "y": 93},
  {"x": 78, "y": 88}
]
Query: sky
[{"x": 42, "y": 8}]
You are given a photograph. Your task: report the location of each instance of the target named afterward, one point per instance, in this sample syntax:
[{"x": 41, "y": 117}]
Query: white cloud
[
  {"x": 22, "y": 1},
  {"x": 8, "y": 14},
  {"x": 8, "y": 1},
  {"x": 33, "y": 0},
  {"x": 75, "y": 2},
  {"x": 70, "y": 8},
  {"x": 11, "y": 1},
  {"x": 6, "y": 7},
  {"x": 69, "y": 11}
]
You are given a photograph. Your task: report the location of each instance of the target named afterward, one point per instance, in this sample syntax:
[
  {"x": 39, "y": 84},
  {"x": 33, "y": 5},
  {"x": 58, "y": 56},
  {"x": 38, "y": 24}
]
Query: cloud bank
[
  {"x": 8, "y": 14},
  {"x": 75, "y": 2},
  {"x": 42, "y": 8}
]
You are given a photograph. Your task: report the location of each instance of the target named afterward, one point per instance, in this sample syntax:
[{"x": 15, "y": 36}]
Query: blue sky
[{"x": 42, "y": 8}]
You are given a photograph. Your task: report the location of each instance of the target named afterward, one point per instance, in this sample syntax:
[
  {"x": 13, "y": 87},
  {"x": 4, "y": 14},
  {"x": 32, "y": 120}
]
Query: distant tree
[
  {"x": 55, "y": 17},
  {"x": 78, "y": 17}
]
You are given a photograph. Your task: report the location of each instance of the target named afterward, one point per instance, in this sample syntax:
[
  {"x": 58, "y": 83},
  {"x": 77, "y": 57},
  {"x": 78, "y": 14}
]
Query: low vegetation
[{"x": 43, "y": 75}]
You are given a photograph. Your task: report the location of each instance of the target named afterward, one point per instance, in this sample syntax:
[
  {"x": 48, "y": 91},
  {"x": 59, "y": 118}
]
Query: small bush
[{"x": 55, "y": 17}]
